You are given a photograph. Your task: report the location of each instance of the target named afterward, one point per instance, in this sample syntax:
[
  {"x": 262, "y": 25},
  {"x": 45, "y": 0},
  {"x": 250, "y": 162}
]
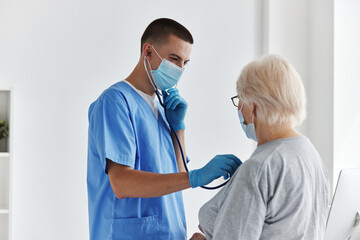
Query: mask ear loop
[
  {"x": 156, "y": 52},
  {"x": 241, "y": 106},
  {"x": 252, "y": 121},
  {"x": 253, "y": 115}
]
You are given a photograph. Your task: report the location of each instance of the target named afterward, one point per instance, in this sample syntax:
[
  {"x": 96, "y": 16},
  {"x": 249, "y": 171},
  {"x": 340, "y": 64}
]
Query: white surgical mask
[{"x": 249, "y": 128}]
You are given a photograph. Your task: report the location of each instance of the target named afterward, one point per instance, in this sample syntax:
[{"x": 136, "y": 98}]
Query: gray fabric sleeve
[{"x": 242, "y": 214}]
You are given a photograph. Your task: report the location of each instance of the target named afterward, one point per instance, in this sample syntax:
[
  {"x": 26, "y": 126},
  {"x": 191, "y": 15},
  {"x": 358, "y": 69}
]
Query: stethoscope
[
  {"x": 181, "y": 149},
  {"x": 172, "y": 130}
]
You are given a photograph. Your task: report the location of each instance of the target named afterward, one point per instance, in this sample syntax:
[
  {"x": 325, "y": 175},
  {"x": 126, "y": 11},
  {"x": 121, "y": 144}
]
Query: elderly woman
[{"x": 281, "y": 191}]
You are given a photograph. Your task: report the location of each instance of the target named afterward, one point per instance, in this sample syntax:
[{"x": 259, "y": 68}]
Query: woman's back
[{"x": 281, "y": 192}]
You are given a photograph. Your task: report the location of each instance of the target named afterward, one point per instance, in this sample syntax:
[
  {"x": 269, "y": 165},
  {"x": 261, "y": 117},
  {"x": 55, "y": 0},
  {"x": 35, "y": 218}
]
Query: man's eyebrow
[{"x": 175, "y": 55}]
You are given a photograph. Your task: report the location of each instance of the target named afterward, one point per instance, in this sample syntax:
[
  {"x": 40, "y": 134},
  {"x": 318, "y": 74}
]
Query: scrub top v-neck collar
[{"x": 148, "y": 99}]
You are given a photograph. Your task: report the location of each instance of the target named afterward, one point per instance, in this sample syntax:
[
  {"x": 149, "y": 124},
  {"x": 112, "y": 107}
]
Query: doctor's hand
[
  {"x": 175, "y": 107},
  {"x": 220, "y": 165}
]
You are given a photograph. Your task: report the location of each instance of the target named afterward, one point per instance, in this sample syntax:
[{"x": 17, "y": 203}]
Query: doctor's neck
[{"x": 140, "y": 80}]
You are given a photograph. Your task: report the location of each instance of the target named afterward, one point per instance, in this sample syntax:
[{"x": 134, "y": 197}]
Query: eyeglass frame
[{"x": 233, "y": 101}]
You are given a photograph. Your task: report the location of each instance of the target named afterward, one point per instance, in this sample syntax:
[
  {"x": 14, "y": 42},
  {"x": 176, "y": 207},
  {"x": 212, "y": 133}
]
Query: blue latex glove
[
  {"x": 220, "y": 165},
  {"x": 175, "y": 107}
]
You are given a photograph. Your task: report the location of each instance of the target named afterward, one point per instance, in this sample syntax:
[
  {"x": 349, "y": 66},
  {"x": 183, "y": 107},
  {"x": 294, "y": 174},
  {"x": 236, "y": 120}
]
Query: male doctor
[{"x": 135, "y": 171}]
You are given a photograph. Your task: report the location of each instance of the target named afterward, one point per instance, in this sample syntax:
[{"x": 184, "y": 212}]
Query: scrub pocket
[{"x": 136, "y": 228}]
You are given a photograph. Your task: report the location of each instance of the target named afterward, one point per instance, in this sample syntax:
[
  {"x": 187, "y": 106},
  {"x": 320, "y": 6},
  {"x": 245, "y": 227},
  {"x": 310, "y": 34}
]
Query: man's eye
[{"x": 174, "y": 59}]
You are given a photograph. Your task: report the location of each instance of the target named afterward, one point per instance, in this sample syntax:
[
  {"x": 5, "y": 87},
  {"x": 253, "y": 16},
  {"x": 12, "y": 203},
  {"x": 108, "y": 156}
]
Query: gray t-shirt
[{"x": 281, "y": 192}]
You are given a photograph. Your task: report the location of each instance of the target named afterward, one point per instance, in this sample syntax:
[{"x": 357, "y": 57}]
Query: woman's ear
[{"x": 253, "y": 109}]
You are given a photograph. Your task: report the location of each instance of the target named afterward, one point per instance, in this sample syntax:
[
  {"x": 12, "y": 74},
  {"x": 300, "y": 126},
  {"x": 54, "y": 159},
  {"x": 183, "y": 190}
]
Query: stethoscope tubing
[{"x": 180, "y": 146}]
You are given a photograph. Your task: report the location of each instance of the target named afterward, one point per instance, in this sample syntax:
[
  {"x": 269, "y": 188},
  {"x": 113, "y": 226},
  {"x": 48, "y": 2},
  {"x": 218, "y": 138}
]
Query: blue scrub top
[{"x": 124, "y": 129}]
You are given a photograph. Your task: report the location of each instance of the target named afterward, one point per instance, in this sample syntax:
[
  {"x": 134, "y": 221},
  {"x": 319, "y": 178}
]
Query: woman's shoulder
[
  {"x": 278, "y": 154},
  {"x": 283, "y": 147}
]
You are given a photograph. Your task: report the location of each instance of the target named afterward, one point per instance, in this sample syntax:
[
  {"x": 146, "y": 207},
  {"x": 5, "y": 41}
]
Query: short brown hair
[{"x": 160, "y": 29}]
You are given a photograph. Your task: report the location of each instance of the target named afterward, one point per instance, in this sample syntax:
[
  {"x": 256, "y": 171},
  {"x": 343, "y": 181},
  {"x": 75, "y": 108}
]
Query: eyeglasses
[{"x": 235, "y": 100}]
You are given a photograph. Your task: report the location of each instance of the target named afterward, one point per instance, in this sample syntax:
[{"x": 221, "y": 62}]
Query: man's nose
[{"x": 181, "y": 64}]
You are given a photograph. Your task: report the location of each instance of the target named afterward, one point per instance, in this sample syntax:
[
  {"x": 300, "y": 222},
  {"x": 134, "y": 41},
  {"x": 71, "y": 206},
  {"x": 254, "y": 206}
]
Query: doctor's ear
[
  {"x": 146, "y": 49},
  {"x": 147, "y": 55}
]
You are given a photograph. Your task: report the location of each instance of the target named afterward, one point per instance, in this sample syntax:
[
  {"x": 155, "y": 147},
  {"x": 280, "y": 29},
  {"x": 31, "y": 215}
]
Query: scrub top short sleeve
[{"x": 113, "y": 131}]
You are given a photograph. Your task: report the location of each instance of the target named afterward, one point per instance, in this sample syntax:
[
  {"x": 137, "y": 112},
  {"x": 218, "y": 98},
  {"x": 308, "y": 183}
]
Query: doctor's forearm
[
  {"x": 181, "y": 135},
  {"x": 130, "y": 183}
]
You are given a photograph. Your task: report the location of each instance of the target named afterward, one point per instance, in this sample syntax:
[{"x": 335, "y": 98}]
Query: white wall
[
  {"x": 320, "y": 88},
  {"x": 58, "y": 56},
  {"x": 346, "y": 85}
]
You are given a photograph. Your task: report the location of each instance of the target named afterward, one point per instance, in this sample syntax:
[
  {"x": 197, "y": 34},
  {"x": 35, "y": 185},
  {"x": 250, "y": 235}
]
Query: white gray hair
[{"x": 275, "y": 87}]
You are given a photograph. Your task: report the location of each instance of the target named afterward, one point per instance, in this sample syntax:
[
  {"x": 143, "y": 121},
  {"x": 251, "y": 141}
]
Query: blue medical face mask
[
  {"x": 249, "y": 129},
  {"x": 167, "y": 75}
]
